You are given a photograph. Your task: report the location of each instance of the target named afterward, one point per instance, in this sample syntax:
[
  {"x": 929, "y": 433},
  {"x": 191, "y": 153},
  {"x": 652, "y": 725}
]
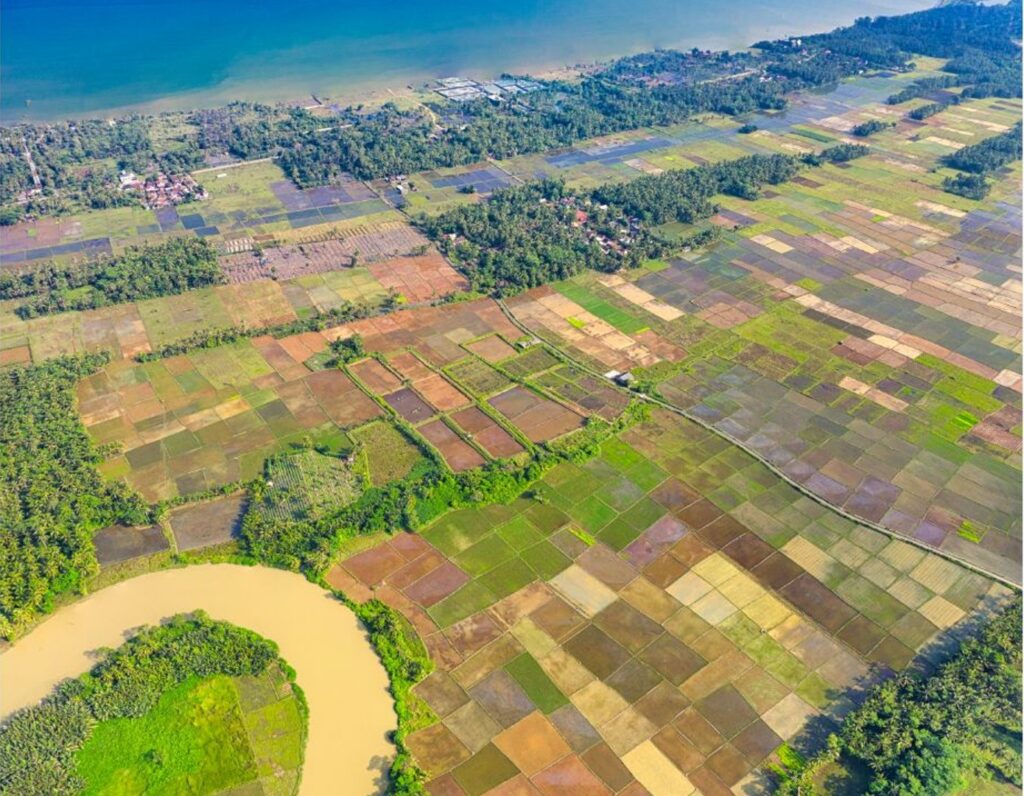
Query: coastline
[{"x": 294, "y": 76}]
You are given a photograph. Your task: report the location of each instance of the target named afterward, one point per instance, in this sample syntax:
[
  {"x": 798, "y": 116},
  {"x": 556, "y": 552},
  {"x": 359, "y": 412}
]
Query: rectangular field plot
[
  {"x": 375, "y": 376},
  {"x": 204, "y": 524},
  {"x": 456, "y": 452},
  {"x": 440, "y": 393},
  {"x": 386, "y": 453},
  {"x": 409, "y": 405},
  {"x": 481, "y": 180},
  {"x": 486, "y": 433},
  {"x": 116, "y": 543},
  {"x": 491, "y": 348},
  {"x": 478, "y": 377},
  {"x": 307, "y": 484},
  {"x": 538, "y": 418}
]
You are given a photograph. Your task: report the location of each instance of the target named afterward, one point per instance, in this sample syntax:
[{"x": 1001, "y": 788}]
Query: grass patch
[
  {"x": 203, "y": 736},
  {"x": 537, "y": 685},
  {"x": 385, "y": 452}
]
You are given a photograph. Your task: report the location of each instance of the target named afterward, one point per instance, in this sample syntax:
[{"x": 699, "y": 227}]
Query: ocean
[{"x": 77, "y": 58}]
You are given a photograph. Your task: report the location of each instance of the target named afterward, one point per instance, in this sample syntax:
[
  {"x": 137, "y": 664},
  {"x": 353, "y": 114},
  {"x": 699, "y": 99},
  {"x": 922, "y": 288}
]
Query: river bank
[{"x": 350, "y": 709}]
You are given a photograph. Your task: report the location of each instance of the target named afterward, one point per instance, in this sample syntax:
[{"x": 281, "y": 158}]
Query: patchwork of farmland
[
  {"x": 188, "y": 423},
  {"x": 838, "y": 422},
  {"x": 668, "y": 613},
  {"x": 869, "y": 348},
  {"x": 130, "y": 329}
]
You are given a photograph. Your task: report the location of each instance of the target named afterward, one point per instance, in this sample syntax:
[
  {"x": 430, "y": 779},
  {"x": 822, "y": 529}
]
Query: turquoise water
[{"x": 61, "y": 58}]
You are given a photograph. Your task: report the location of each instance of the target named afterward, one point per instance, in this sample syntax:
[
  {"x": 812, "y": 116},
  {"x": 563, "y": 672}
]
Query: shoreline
[
  {"x": 298, "y": 88},
  {"x": 359, "y": 91}
]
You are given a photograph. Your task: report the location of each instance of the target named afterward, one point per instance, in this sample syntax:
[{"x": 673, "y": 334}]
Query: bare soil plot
[
  {"x": 206, "y": 524},
  {"x": 375, "y": 376},
  {"x": 538, "y": 418},
  {"x": 456, "y": 452},
  {"x": 117, "y": 543},
  {"x": 419, "y": 278},
  {"x": 488, "y": 435},
  {"x": 491, "y": 348},
  {"x": 409, "y": 366},
  {"x": 409, "y": 405},
  {"x": 440, "y": 393},
  {"x": 343, "y": 401}
]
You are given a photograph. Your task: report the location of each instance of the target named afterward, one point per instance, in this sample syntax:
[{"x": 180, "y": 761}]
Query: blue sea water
[{"x": 61, "y": 58}]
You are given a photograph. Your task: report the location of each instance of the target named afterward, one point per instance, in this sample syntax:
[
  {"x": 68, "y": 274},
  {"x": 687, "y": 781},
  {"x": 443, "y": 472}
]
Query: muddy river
[{"x": 350, "y": 709}]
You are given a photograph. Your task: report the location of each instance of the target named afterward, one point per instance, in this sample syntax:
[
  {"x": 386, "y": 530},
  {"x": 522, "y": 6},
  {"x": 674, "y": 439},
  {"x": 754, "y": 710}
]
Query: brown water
[{"x": 350, "y": 709}]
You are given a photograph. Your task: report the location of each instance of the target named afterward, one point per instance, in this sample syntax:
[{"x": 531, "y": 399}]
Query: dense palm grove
[
  {"x": 38, "y": 744},
  {"x": 542, "y": 232},
  {"x": 929, "y": 736},
  {"x": 977, "y": 160},
  {"x": 52, "y": 499},
  {"x": 139, "y": 272},
  {"x": 653, "y": 89}
]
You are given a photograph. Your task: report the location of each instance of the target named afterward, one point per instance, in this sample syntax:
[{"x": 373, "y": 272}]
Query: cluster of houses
[
  {"x": 163, "y": 190},
  {"x": 629, "y": 228},
  {"x": 463, "y": 89}
]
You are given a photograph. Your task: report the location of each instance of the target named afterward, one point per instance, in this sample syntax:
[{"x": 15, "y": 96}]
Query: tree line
[
  {"x": 52, "y": 499},
  {"x": 542, "y": 232},
  {"x": 977, "y": 160},
  {"x": 139, "y": 272},
  {"x": 928, "y": 736},
  {"x": 660, "y": 88}
]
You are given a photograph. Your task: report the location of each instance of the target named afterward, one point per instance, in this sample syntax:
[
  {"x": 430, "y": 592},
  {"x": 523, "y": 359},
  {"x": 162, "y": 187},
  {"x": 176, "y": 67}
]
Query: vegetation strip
[
  {"x": 932, "y": 734},
  {"x": 541, "y": 232},
  {"x": 389, "y": 141},
  {"x": 140, "y": 272}
]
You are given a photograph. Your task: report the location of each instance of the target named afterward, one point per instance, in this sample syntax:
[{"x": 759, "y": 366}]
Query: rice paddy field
[
  {"x": 826, "y": 491},
  {"x": 130, "y": 329},
  {"x": 198, "y": 421},
  {"x": 243, "y": 201},
  {"x": 869, "y": 348},
  {"x": 668, "y": 613}
]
